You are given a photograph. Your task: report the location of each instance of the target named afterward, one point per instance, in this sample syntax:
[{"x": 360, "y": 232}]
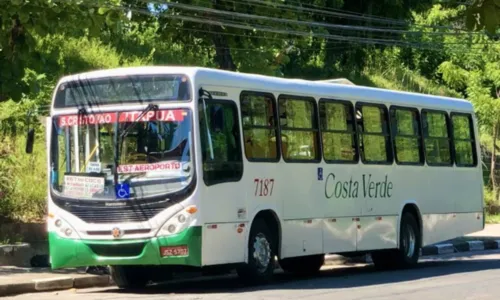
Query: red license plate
[{"x": 174, "y": 251}]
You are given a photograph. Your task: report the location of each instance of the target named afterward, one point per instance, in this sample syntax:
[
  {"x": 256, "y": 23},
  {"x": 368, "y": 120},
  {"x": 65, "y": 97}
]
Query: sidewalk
[
  {"x": 490, "y": 230},
  {"x": 15, "y": 280}
]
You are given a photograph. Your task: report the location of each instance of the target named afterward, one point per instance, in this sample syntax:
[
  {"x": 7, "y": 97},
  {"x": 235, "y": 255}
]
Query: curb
[
  {"x": 57, "y": 283},
  {"x": 437, "y": 249}
]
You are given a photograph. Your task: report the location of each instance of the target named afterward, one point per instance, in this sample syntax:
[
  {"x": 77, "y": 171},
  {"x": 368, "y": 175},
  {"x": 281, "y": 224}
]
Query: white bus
[{"x": 185, "y": 168}]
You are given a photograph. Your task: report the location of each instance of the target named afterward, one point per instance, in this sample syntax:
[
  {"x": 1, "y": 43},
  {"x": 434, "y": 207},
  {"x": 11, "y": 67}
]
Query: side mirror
[{"x": 30, "y": 140}]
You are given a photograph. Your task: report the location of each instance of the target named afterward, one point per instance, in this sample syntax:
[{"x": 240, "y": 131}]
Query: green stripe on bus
[{"x": 66, "y": 253}]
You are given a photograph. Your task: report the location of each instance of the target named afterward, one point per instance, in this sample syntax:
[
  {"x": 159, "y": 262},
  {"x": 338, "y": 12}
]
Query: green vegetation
[
  {"x": 414, "y": 50},
  {"x": 492, "y": 219}
]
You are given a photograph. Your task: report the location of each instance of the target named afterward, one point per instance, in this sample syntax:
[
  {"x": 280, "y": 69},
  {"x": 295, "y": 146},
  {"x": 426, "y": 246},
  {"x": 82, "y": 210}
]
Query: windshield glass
[
  {"x": 154, "y": 154},
  {"x": 123, "y": 90}
]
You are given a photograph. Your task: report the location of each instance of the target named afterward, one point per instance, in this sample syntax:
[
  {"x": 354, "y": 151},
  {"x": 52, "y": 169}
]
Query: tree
[
  {"x": 23, "y": 20},
  {"x": 477, "y": 75},
  {"x": 484, "y": 14}
]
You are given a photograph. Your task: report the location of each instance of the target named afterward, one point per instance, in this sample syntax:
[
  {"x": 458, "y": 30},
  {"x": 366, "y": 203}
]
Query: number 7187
[{"x": 263, "y": 187}]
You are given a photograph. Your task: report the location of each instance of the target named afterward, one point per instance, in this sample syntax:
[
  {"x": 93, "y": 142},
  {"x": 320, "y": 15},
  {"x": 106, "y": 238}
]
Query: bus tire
[
  {"x": 304, "y": 266},
  {"x": 409, "y": 242},
  {"x": 261, "y": 255},
  {"x": 406, "y": 256},
  {"x": 126, "y": 277}
]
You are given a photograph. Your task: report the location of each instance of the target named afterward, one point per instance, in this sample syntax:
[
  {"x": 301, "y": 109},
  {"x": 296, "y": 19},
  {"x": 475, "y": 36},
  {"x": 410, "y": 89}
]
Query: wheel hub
[
  {"x": 262, "y": 252},
  {"x": 409, "y": 241}
]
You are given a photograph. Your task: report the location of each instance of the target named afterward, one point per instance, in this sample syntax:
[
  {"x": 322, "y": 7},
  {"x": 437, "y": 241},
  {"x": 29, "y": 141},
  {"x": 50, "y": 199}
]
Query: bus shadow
[{"x": 337, "y": 278}]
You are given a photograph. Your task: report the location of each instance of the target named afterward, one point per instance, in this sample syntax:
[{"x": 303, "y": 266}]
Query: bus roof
[{"x": 341, "y": 89}]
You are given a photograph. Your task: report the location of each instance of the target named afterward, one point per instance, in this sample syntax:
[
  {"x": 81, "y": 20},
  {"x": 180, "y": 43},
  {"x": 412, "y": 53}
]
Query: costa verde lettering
[{"x": 370, "y": 187}]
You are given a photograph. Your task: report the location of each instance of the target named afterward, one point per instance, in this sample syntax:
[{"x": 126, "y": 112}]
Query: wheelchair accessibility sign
[{"x": 122, "y": 191}]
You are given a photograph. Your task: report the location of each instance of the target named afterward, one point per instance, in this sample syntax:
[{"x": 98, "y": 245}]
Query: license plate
[{"x": 174, "y": 251}]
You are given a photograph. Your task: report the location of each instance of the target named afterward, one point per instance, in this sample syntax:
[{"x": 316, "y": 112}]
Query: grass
[
  {"x": 25, "y": 200},
  {"x": 492, "y": 219}
]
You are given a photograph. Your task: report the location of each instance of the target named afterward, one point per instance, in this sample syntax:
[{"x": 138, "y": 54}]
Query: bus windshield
[{"x": 121, "y": 155}]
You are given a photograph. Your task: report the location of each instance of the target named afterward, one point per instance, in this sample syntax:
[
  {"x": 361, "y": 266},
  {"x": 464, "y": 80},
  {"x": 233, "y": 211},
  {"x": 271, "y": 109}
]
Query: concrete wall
[{"x": 26, "y": 244}]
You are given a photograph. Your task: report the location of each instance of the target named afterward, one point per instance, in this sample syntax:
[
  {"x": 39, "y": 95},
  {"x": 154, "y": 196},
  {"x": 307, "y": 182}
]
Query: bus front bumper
[{"x": 153, "y": 251}]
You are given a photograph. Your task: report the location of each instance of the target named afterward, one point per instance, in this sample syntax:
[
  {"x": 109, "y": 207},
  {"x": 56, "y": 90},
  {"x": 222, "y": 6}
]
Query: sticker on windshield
[
  {"x": 93, "y": 167},
  {"x": 82, "y": 186},
  {"x": 141, "y": 168},
  {"x": 122, "y": 191}
]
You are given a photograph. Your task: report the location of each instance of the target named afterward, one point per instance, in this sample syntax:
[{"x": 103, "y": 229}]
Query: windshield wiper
[{"x": 118, "y": 140}]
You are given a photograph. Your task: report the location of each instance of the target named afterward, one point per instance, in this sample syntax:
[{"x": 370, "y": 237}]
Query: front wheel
[
  {"x": 261, "y": 251},
  {"x": 133, "y": 277}
]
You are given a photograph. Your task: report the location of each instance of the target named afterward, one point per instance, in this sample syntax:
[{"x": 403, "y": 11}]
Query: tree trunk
[{"x": 223, "y": 56}]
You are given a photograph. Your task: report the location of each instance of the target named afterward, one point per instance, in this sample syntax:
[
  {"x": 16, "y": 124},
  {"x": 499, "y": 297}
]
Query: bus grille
[
  {"x": 100, "y": 215},
  {"x": 118, "y": 250}
]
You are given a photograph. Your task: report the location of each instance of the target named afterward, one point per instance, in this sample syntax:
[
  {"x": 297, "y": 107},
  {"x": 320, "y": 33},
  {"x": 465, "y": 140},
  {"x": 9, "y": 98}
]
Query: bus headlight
[
  {"x": 178, "y": 222},
  {"x": 62, "y": 228}
]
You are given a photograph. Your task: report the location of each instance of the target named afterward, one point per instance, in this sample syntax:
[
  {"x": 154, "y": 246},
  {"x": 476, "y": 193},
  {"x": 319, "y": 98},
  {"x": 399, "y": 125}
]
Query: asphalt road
[{"x": 468, "y": 276}]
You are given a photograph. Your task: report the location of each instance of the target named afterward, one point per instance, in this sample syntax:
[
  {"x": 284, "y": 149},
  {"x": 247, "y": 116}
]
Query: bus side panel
[
  {"x": 302, "y": 237},
  {"x": 437, "y": 228},
  {"x": 466, "y": 223},
  {"x": 339, "y": 234},
  {"x": 302, "y": 209},
  {"x": 377, "y": 233},
  {"x": 469, "y": 204},
  {"x": 342, "y": 205},
  {"x": 382, "y": 189},
  {"x": 222, "y": 244},
  {"x": 461, "y": 186}
]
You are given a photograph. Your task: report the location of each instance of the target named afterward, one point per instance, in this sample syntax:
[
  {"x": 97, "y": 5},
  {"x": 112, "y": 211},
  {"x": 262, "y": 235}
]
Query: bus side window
[
  {"x": 258, "y": 112},
  {"x": 220, "y": 142},
  {"x": 338, "y": 133},
  {"x": 437, "y": 140},
  {"x": 374, "y": 135},
  {"x": 463, "y": 140},
  {"x": 299, "y": 129},
  {"x": 407, "y": 136}
]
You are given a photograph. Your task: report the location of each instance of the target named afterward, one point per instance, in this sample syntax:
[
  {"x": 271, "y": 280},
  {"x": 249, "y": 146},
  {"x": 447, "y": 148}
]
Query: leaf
[{"x": 103, "y": 10}]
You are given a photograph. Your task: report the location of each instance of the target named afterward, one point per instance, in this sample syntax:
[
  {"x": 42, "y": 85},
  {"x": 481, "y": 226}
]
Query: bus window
[
  {"x": 407, "y": 137},
  {"x": 374, "y": 138},
  {"x": 436, "y": 137},
  {"x": 299, "y": 129},
  {"x": 258, "y": 113},
  {"x": 337, "y": 131},
  {"x": 220, "y": 142},
  {"x": 463, "y": 140}
]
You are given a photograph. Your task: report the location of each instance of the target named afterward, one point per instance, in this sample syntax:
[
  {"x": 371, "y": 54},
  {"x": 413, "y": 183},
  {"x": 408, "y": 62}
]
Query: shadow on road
[{"x": 348, "y": 277}]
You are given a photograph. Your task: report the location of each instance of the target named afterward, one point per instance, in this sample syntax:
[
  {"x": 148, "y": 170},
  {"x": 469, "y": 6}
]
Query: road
[{"x": 467, "y": 276}]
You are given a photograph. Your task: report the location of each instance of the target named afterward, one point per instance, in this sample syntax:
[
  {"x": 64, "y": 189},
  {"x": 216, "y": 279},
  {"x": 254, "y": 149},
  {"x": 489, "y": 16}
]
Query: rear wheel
[
  {"x": 261, "y": 252},
  {"x": 409, "y": 247},
  {"x": 305, "y": 265},
  {"x": 130, "y": 276}
]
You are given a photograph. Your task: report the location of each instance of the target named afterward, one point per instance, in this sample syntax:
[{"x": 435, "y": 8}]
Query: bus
[{"x": 160, "y": 170}]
